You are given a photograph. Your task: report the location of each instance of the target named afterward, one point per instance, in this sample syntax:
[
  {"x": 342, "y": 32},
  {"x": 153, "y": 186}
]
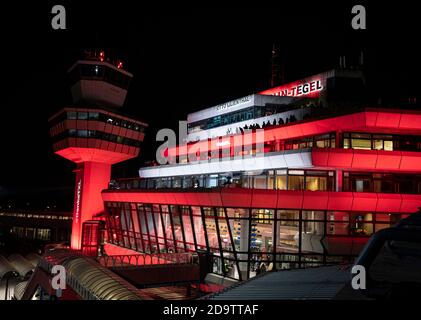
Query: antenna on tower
[{"x": 278, "y": 74}]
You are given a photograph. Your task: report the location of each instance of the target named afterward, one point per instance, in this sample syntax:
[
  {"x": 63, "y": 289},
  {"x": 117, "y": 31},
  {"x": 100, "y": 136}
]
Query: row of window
[
  {"x": 286, "y": 179},
  {"x": 310, "y": 180},
  {"x": 320, "y": 141},
  {"x": 35, "y": 216},
  {"x": 238, "y": 235},
  {"x": 368, "y": 141},
  {"x": 31, "y": 233},
  {"x": 98, "y": 116},
  {"x": 99, "y": 72},
  {"x": 236, "y": 116},
  {"x": 74, "y": 133},
  {"x": 382, "y": 182},
  {"x": 358, "y": 141},
  {"x": 281, "y": 179}
]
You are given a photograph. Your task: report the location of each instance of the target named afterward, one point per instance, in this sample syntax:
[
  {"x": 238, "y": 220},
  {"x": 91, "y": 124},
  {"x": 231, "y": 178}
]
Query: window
[
  {"x": 288, "y": 214},
  {"x": 82, "y": 133},
  {"x": 226, "y": 243},
  {"x": 313, "y": 215},
  {"x": 367, "y": 141},
  {"x": 43, "y": 234},
  {"x": 261, "y": 235},
  {"x": 93, "y": 116},
  {"x": 361, "y": 141},
  {"x": 388, "y": 145},
  {"x": 211, "y": 229},
  {"x": 314, "y": 183},
  {"x": 71, "y": 115},
  {"x": 260, "y": 182},
  {"x": 381, "y": 182},
  {"x": 188, "y": 230},
  {"x": 166, "y": 221},
  {"x": 262, "y": 214},
  {"x": 281, "y": 182},
  {"x": 378, "y": 144},
  {"x": 295, "y": 180},
  {"x": 313, "y": 229},
  {"x": 178, "y": 228},
  {"x": 198, "y": 227},
  {"x": 338, "y": 223},
  {"x": 361, "y": 223},
  {"x": 288, "y": 229},
  {"x": 82, "y": 116},
  {"x": 322, "y": 141}
]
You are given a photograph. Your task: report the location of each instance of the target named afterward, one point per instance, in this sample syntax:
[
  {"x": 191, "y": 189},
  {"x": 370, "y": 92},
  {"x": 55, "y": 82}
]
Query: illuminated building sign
[
  {"x": 232, "y": 103},
  {"x": 78, "y": 198},
  {"x": 310, "y": 88}
]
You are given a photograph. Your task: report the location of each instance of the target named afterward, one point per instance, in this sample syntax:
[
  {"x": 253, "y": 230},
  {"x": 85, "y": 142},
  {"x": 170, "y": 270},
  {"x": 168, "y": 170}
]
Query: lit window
[
  {"x": 378, "y": 144},
  {"x": 388, "y": 145},
  {"x": 82, "y": 115},
  {"x": 71, "y": 115},
  {"x": 347, "y": 143}
]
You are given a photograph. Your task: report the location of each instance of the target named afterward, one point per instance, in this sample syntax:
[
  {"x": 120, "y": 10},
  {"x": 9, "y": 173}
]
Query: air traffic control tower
[{"x": 93, "y": 134}]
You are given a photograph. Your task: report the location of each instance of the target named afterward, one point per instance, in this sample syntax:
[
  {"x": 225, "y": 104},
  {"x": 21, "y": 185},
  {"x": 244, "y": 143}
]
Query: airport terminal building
[
  {"x": 326, "y": 186},
  {"x": 276, "y": 179}
]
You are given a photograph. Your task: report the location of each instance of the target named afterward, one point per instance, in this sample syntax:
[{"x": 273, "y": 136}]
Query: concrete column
[
  {"x": 91, "y": 179},
  {"x": 339, "y": 180}
]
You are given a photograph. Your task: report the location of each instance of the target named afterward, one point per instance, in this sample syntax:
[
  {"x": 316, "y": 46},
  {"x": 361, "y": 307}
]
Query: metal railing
[{"x": 146, "y": 259}]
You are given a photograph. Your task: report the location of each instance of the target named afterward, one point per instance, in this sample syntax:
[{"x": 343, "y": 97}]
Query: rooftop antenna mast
[{"x": 277, "y": 76}]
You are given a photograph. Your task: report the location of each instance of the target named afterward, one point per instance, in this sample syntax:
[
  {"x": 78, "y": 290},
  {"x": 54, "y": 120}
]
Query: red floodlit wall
[
  {"x": 79, "y": 150},
  {"x": 272, "y": 199},
  {"x": 367, "y": 159},
  {"x": 91, "y": 179}
]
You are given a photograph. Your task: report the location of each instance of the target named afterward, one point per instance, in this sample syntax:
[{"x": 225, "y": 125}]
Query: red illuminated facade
[
  {"x": 272, "y": 180},
  {"x": 325, "y": 186}
]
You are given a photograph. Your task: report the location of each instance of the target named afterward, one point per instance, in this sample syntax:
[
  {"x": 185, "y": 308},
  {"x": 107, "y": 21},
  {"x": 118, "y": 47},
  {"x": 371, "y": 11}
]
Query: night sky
[{"x": 183, "y": 59}]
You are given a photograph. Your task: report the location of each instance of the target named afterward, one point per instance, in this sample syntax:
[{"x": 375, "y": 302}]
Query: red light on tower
[
  {"x": 101, "y": 56},
  {"x": 120, "y": 65}
]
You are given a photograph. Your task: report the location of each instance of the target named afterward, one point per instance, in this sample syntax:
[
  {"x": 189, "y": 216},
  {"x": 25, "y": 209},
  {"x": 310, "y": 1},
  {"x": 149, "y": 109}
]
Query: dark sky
[{"x": 183, "y": 59}]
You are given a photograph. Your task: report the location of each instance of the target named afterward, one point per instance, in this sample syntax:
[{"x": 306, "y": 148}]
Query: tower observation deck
[{"x": 93, "y": 134}]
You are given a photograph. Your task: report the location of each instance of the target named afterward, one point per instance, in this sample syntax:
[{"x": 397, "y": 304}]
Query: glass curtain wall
[{"x": 244, "y": 242}]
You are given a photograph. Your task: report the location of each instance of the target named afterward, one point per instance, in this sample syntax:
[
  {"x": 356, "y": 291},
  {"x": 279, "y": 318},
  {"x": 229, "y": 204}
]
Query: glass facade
[
  {"x": 95, "y": 115},
  {"x": 320, "y": 141},
  {"x": 281, "y": 179},
  {"x": 368, "y": 141},
  {"x": 284, "y": 179},
  {"x": 244, "y": 242},
  {"x": 95, "y": 134},
  {"x": 382, "y": 182},
  {"x": 99, "y": 72},
  {"x": 360, "y": 141},
  {"x": 236, "y": 116},
  {"x": 42, "y": 234},
  {"x": 241, "y": 241}
]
